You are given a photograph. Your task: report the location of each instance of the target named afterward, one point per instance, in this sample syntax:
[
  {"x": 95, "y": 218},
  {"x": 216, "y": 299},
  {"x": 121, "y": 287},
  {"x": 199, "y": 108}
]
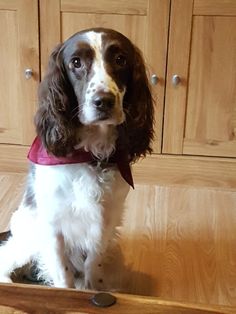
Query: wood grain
[
  {"x": 176, "y": 243},
  {"x": 199, "y": 114},
  {"x": 10, "y": 5},
  {"x": 211, "y": 146},
  {"x": 214, "y": 7},
  {"x": 11, "y": 191},
  {"x": 9, "y": 120},
  {"x": 139, "y": 7},
  {"x": 188, "y": 171},
  {"x": 13, "y": 158},
  {"x": 156, "y": 55},
  {"x": 212, "y": 88},
  {"x": 49, "y": 30},
  {"x": 19, "y": 50},
  {"x": 132, "y": 26},
  {"x": 178, "y": 56},
  {"x": 179, "y": 243},
  {"x": 28, "y": 36},
  {"x": 31, "y": 299}
]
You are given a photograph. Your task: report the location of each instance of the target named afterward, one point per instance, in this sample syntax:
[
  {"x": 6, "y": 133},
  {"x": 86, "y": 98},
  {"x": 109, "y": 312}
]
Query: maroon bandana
[{"x": 38, "y": 155}]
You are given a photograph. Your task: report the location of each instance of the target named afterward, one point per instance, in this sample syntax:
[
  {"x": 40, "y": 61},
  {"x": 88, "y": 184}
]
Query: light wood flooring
[{"x": 177, "y": 242}]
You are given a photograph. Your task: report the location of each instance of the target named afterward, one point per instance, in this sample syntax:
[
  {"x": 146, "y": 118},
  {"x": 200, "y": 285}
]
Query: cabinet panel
[
  {"x": 211, "y": 104},
  {"x": 214, "y": 7},
  {"x": 138, "y": 7},
  {"x": 132, "y": 26},
  {"x": 19, "y": 50},
  {"x": 9, "y": 120},
  {"x": 178, "y": 55},
  {"x": 200, "y": 111},
  {"x": 145, "y": 22}
]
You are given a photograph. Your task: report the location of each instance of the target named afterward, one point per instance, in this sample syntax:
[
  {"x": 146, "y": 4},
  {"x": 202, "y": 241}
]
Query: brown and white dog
[{"x": 95, "y": 117}]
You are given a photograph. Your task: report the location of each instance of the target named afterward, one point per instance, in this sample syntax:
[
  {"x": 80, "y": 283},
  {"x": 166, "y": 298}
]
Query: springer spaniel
[{"x": 95, "y": 117}]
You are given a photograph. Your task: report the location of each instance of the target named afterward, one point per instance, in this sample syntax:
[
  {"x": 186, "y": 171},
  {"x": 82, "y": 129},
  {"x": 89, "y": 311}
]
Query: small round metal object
[
  {"x": 103, "y": 299},
  {"x": 176, "y": 80},
  {"x": 28, "y": 73},
  {"x": 154, "y": 79}
]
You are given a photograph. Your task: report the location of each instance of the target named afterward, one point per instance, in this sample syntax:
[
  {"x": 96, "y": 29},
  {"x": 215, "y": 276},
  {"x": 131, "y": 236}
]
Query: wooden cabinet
[
  {"x": 200, "y": 112},
  {"x": 194, "y": 39},
  {"x": 144, "y": 22},
  {"x": 19, "y": 51}
]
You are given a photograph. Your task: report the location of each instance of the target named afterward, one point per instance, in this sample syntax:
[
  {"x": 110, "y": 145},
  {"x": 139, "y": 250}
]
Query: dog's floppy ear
[
  {"x": 56, "y": 102},
  {"x": 139, "y": 106}
]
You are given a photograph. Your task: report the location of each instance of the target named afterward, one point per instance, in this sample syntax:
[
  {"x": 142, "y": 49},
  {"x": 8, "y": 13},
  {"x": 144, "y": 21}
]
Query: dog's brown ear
[
  {"x": 140, "y": 110},
  {"x": 56, "y": 102}
]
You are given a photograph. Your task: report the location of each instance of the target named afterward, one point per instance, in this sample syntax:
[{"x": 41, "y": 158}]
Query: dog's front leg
[
  {"x": 94, "y": 272},
  {"x": 54, "y": 263}
]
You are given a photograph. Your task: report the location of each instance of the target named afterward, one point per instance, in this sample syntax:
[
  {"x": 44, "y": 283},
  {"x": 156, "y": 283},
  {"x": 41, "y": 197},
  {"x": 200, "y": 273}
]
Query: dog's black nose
[{"x": 104, "y": 101}]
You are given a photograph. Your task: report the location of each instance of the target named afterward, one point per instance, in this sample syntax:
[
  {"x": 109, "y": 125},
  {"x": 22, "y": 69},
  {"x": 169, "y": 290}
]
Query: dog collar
[{"x": 39, "y": 155}]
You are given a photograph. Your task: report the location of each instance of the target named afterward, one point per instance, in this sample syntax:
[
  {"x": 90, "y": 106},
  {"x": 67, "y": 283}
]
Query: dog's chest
[{"x": 78, "y": 199}]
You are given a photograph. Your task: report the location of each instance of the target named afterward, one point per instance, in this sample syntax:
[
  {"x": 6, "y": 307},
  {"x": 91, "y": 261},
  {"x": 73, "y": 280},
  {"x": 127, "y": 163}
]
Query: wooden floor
[{"x": 177, "y": 242}]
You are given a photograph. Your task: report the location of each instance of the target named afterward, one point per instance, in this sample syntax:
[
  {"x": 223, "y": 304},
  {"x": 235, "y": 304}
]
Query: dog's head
[{"x": 95, "y": 77}]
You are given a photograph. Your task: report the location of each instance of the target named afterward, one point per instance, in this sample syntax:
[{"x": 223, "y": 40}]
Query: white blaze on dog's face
[
  {"x": 98, "y": 65},
  {"x": 102, "y": 90}
]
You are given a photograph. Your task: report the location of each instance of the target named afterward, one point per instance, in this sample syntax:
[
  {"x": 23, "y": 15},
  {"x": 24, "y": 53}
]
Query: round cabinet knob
[
  {"x": 154, "y": 79},
  {"x": 28, "y": 73},
  {"x": 176, "y": 80}
]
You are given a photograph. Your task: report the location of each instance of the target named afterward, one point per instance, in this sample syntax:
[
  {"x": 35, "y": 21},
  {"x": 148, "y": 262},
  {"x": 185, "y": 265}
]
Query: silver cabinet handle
[
  {"x": 28, "y": 73},
  {"x": 176, "y": 80},
  {"x": 154, "y": 79}
]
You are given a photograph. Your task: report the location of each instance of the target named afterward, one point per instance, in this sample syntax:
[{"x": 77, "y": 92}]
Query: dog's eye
[
  {"x": 76, "y": 62},
  {"x": 121, "y": 60}
]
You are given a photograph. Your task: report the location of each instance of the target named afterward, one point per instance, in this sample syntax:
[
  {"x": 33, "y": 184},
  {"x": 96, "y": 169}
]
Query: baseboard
[
  {"x": 187, "y": 170},
  {"x": 155, "y": 169}
]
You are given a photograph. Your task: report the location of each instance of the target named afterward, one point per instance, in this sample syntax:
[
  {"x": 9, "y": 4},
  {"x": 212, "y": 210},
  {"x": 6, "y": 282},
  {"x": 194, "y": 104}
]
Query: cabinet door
[
  {"x": 200, "y": 112},
  {"x": 19, "y": 51},
  {"x": 145, "y": 22}
]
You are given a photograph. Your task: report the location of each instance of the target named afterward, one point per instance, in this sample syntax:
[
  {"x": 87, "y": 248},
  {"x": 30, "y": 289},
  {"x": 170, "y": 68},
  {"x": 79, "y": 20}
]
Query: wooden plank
[
  {"x": 210, "y": 127},
  {"x": 29, "y": 58},
  {"x": 214, "y": 7},
  {"x": 12, "y": 187},
  {"x": 13, "y": 158},
  {"x": 133, "y": 27},
  {"x": 10, "y": 122},
  {"x": 179, "y": 243},
  {"x": 20, "y": 44},
  {"x": 9, "y": 5},
  {"x": 25, "y": 298},
  {"x": 178, "y": 60},
  {"x": 156, "y": 55},
  {"x": 210, "y": 148},
  {"x": 138, "y": 7},
  {"x": 50, "y": 30},
  {"x": 186, "y": 170}
]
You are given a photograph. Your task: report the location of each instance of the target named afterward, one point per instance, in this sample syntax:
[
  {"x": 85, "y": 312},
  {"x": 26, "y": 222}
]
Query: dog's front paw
[{"x": 96, "y": 279}]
